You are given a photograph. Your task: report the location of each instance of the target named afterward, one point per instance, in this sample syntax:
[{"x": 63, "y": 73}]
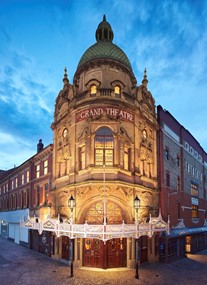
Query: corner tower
[{"x": 105, "y": 142}]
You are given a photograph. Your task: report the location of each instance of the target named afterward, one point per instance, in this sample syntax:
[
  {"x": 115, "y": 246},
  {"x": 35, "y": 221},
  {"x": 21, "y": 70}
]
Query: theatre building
[
  {"x": 110, "y": 145},
  {"x": 105, "y": 126}
]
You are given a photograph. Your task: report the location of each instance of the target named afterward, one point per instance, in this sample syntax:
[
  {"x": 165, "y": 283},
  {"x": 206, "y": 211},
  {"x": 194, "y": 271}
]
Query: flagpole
[{"x": 104, "y": 180}]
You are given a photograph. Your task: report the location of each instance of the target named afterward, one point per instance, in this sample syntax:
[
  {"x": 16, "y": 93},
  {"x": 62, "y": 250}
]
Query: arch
[
  {"x": 117, "y": 89},
  {"x": 104, "y": 147},
  {"x": 119, "y": 204},
  {"x": 93, "y": 89},
  {"x": 65, "y": 133},
  {"x": 104, "y": 131}
]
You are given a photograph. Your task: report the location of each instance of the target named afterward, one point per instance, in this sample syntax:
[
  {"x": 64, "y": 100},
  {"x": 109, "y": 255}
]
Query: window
[
  {"x": 65, "y": 133},
  {"x": 82, "y": 157},
  {"x": 117, "y": 89},
  {"x": 179, "y": 212},
  {"x": 37, "y": 171},
  {"x": 46, "y": 193},
  {"x": 93, "y": 89},
  {"x": 20, "y": 200},
  {"x": 22, "y": 178},
  {"x": 12, "y": 184},
  {"x": 195, "y": 211},
  {"x": 166, "y": 153},
  {"x": 15, "y": 201},
  {"x": 16, "y": 182},
  {"x": 186, "y": 146},
  {"x": 27, "y": 198},
  {"x": 194, "y": 190},
  {"x": 193, "y": 170},
  {"x": 38, "y": 195},
  {"x": 167, "y": 179},
  {"x": 144, "y": 135},
  {"x": 27, "y": 175},
  {"x": 104, "y": 144},
  {"x": 45, "y": 166},
  {"x": 178, "y": 183},
  {"x": 23, "y": 199},
  {"x": 178, "y": 160},
  {"x": 187, "y": 167}
]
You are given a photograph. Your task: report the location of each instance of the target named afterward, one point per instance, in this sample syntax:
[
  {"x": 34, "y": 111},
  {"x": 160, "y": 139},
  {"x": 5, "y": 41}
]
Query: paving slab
[{"x": 20, "y": 265}]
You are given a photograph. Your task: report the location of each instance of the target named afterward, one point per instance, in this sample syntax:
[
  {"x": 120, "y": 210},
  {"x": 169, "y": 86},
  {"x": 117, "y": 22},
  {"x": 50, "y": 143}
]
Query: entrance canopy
[{"x": 103, "y": 231}]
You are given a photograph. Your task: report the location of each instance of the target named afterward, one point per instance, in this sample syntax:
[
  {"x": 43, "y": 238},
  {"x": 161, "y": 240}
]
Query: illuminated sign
[
  {"x": 96, "y": 112},
  {"x": 194, "y": 201}
]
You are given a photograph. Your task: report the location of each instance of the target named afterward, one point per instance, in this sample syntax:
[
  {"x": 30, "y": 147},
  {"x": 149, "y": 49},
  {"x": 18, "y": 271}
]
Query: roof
[
  {"x": 104, "y": 47},
  {"x": 105, "y": 50},
  {"x": 176, "y": 232}
]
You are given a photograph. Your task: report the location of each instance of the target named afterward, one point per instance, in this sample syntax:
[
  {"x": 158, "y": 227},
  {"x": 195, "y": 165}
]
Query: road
[{"x": 20, "y": 265}]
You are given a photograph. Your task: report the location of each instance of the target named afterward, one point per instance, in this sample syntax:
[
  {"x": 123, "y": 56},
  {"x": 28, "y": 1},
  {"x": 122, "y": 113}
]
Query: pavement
[{"x": 20, "y": 265}]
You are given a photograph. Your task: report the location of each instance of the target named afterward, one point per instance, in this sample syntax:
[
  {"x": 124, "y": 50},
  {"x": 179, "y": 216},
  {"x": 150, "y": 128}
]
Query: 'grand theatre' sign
[{"x": 96, "y": 112}]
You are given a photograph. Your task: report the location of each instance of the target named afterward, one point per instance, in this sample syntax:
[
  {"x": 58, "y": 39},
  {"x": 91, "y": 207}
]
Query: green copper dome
[{"x": 104, "y": 48}]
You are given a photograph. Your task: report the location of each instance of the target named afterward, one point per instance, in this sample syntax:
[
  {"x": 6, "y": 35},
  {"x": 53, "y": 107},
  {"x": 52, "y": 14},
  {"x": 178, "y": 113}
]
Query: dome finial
[
  {"x": 65, "y": 78},
  {"x": 104, "y": 31},
  {"x": 145, "y": 81}
]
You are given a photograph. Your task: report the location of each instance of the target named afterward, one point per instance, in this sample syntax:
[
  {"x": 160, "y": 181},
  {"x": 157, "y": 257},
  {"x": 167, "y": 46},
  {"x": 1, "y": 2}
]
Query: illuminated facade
[
  {"x": 104, "y": 122},
  {"x": 107, "y": 137}
]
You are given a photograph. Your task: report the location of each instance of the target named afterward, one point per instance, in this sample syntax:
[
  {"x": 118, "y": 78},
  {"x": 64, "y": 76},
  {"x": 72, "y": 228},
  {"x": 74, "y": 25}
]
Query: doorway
[
  {"x": 110, "y": 255},
  {"x": 65, "y": 247},
  {"x": 142, "y": 241}
]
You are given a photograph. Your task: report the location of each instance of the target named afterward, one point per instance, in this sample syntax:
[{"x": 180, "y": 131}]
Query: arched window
[
  {"x": 93, "y": 89},
  {"x": 104, "y": 147},
  {"x": 65, "y": 133},
  {"x": 144, "y": 135},
  {"x": 117, "y": 89}
]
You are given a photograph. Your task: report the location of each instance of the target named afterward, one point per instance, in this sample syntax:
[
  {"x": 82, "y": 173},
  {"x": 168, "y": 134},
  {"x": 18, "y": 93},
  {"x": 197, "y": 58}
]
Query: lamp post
[
  {"x": 71, "y": 205},
  {"x": 136, "y": 207}
]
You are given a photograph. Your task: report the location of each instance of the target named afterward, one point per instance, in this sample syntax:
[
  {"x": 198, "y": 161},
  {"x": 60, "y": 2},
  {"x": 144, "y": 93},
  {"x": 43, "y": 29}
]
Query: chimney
[{"x": 40, "y": 146}]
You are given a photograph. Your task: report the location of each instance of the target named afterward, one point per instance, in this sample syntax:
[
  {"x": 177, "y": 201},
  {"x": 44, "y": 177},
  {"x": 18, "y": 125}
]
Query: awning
[{"x": 176, "y": 232}]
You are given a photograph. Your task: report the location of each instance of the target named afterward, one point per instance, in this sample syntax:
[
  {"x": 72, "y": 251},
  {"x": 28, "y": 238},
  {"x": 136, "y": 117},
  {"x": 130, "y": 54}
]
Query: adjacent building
[{"x": 182, "y": 181}]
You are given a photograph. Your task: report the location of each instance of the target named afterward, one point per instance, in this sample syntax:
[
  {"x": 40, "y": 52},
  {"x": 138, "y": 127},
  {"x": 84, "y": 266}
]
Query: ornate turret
[
  {"x": 65, "y": 78},
  {"x": 104, "y": 31},
  {"x": 145, "y": 81}
]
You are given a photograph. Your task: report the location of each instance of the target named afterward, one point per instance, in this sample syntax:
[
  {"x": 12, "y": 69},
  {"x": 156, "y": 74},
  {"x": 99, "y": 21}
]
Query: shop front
[{"x": 181, "y": 241}]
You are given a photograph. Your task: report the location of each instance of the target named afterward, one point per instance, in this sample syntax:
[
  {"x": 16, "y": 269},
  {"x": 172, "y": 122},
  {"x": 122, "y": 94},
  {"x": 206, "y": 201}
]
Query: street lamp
[
  {"x": 71, "y": 205},
  {"x": 136, "y": 207}
]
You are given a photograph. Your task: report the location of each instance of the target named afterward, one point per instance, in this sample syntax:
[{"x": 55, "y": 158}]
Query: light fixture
[
  {"x": 136, "y": 203},
  {"x": 71, "y": 203}
]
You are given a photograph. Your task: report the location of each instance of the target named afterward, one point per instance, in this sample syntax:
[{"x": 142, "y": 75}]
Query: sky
[{"x": 39, "y": 38}]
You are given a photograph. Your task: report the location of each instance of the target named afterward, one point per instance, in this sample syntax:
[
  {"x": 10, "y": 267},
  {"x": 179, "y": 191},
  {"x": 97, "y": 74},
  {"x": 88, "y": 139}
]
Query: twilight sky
[{"x": 38, "y": 38}]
